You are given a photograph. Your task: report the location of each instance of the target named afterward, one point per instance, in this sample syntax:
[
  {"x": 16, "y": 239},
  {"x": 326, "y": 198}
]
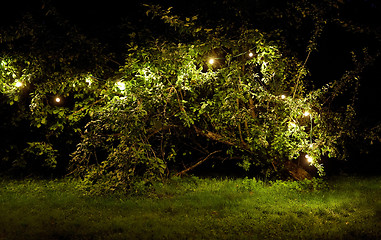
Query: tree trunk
[{"x": 296, "y": 172}]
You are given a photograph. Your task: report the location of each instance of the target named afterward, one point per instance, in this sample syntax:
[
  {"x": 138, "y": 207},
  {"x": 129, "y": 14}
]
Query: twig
[
  {"x": 299, "y": 75},
  {"x": 84, "y": 108},
  {"x": 198, "y": 163},
  {"x": 163, "y": 128},
  {"x": 214, "y": 136}
]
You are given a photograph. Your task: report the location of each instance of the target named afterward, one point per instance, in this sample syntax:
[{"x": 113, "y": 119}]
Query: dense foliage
[{"x": 200, "y": 92}]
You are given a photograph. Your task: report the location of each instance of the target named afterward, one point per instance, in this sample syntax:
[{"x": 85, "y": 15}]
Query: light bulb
[
  {"x": 121, "y": 86},
  {"x": 18, "y": 84},
  {"x": 211, "y": 61},
  {"x": 251, "y": 54},
  {"x": 282, "y": 96},
  {"x": 306, "y": 113},
  {"x": 309, "y": 159},
  {"x": 58, "y": 99},
  {"x": 88, "y": 80}
]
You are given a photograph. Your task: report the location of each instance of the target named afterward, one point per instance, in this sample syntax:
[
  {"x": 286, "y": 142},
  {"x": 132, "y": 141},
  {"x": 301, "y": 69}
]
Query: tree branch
[
  {"x": 84, "y": 108},
  {"x": 198, "y": 163},
  {"x": 213, "y": 136}
]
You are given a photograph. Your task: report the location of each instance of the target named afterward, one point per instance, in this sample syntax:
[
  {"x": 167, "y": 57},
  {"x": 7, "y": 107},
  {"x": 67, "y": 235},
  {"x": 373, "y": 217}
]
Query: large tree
[{"x": 221, "y": 90}]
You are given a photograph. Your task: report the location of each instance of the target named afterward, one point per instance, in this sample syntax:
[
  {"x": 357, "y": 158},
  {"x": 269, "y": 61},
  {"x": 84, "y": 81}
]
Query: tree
[
  {"x": 221, "y": 93},
  {"x": 201, "y": 92}
]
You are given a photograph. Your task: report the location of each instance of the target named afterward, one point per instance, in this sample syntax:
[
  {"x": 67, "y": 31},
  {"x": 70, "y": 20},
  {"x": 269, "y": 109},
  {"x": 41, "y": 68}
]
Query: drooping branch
[
  {"x": 221, "y": 139},
  {"x": 88, "y": 107},
  {"x": 163, "y": 128},
  {"x": 214, "y": 136},
  {"x": 198, "y": 163}
]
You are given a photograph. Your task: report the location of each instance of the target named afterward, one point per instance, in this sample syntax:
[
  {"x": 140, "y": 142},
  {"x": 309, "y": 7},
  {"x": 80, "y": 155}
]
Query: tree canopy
[{"x": 188, "y": 91}]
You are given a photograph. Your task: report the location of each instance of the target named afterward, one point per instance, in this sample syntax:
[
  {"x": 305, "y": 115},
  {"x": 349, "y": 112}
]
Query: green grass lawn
[{"x": 194, "y": 208}]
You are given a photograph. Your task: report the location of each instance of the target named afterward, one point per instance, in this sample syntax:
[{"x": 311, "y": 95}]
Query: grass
[{"x": 194, "y": 208}]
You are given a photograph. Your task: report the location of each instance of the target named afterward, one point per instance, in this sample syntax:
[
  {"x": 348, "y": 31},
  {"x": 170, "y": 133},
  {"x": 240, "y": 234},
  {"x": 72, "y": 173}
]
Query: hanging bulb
[
  {"x": 58, "y": 99},
  {"x": 309, "y": 159},
  {"x": 251, "y": 54},
  {"x": 88, "y": 80},
  {"x": 211, "y": 61},
  {"x": 18, "y": 84},
  {"x": 121, "y": 86}
]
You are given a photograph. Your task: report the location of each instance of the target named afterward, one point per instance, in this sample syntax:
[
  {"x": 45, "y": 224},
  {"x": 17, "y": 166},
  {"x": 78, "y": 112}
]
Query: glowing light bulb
[
  {"x": 309, "y": 159},
  {"x": 58, "y": 99},
  {"x": 18, "y": 84},
  {"x": 88, "y": 80},
  {"x": 251, "y": 54},
  {"x": 211, "y": 61},
  {"x": 282, "y": 96},
  {"x": 121, "y": 86},
  {"x": 306, "y": 113}
]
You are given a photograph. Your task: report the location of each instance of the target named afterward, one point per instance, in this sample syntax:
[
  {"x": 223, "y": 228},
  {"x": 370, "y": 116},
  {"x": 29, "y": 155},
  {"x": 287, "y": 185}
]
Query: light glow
[
  {"x": 282, "y": 96},
  {"x": 58, "y": 99},
  {"x": 88, "y": 80},
  {"x": 309, "y": 159},
  {"x": 18, "y": 84},
  {"x": 121, "y": 86},
  {"x": 251, "y": 54},
  {"x": 292, "y": 124},
  {"x": 211, "y": 61},
  {"x": 306, "y": 113}
]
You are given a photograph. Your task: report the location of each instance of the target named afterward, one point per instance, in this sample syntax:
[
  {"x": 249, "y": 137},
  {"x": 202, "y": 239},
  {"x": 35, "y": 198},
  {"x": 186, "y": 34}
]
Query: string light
[
  {"x": 249, "y": 52},
  {"x": 58, "y": 99},
  {"x": 18, "y": 84},
  {"x": 88, "y": 80},
  {"x": 121, "y": 86},
  {"x": 306, "y": 113},
  {"x": 309, "y": 159},
  {"x": 282, "y": 96},
  {"x": 292, "y": 124}
]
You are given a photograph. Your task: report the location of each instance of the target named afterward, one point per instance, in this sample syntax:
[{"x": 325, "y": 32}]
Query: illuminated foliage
[
  {"x": 44, "y": 76},
  {"x": 200, "y": 93},
  {"x": 208, "y": 98}
]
